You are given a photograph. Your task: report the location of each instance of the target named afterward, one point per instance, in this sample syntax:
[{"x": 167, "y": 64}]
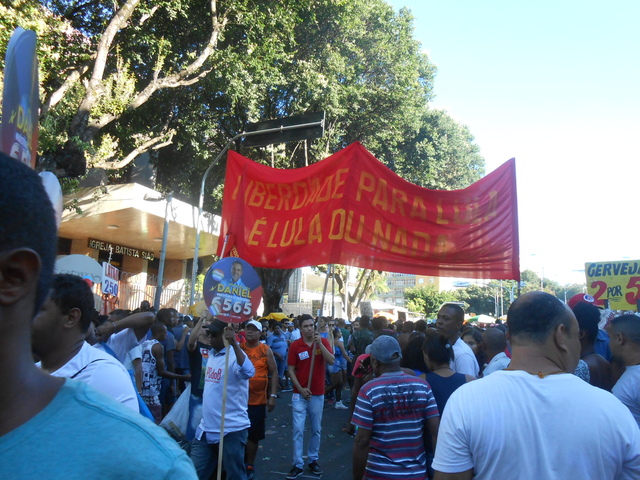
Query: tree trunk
[{"x": 274, "y": 282}]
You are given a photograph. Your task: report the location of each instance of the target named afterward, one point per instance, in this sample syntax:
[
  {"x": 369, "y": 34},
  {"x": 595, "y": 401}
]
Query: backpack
[{"x": 361, "y": 339}]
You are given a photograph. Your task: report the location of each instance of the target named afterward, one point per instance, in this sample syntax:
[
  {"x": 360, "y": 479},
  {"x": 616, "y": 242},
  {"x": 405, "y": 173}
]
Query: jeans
[
  {"x": 301, "y": 409},
  {"x": 195, "y": 416},
  {"x": 205, "y": 456}
]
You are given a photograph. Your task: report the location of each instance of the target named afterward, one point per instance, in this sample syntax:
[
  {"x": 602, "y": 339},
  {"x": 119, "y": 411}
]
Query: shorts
[
  {"x": 339, "y": 364},
  {"x": 257, "y": 417},
  {"x": 167, "y": 395}
]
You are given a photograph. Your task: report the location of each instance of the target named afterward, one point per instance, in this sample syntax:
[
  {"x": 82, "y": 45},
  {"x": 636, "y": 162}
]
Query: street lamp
[
  {"x": 282, "y": 130},
  {"x": 163, "y": 248}
]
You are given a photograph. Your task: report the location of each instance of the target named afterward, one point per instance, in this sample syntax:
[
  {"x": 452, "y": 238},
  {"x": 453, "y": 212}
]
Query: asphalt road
[{"x": 275, "y": 454}]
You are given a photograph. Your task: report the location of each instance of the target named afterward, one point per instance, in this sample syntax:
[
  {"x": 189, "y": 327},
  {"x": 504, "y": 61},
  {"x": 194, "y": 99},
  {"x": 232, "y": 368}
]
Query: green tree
[
  {"x": 366, "y": 285},
  {"x": 427, "y": 299},
  {"x": 571, "y": 289},
  {"x": 441, "y": 155},
  {"x": 356, "y": 60},
  {"x": 478, "y": 299},
  {"x": 109, "y": 100}
]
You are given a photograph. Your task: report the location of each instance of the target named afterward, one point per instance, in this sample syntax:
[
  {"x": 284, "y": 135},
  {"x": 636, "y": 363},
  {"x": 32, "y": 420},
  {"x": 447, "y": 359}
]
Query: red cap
[{"x": 581, "y": 298}]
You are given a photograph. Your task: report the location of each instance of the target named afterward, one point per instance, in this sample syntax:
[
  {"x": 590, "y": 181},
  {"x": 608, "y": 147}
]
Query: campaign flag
[
  {"x": 350, "y": 209},
  {"x": 232, "y": 290},
  {"x": 20, "y": 98}
]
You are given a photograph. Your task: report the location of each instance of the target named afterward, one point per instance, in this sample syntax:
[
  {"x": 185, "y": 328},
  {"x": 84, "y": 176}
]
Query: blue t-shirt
[
  {"x": 84, "y": 434},
  {"x": 181, "y": 357},
  {"x": 278, "y": 344}
]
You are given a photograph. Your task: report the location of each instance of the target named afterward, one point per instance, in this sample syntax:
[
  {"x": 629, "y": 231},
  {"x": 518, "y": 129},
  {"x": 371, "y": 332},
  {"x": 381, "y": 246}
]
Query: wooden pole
[
  {"x": 224, "y": 405},
  {"x": 313, "y": 359}
]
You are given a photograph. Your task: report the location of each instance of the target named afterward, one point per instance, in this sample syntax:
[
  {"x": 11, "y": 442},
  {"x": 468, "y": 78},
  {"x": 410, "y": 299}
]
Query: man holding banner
[
  {"x": 306, "y": 361},
  {"x": 204, "y": 450}
]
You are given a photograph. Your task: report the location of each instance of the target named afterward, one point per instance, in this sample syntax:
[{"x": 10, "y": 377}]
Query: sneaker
[
  {"x": 315, "y": 468},
  {"x": 251, "y": 473},
  {"x": 340, "y": 406},
  {"x": 295, "y": 473},
  {"x": 331, "y": 401}
]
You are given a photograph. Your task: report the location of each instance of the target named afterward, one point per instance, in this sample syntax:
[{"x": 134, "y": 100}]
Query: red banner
[{"x": 350, "y": 209}]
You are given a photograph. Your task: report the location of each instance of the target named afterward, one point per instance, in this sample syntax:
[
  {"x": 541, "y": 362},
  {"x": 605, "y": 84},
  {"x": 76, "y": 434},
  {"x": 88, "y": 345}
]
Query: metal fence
[{"x": 131, "y": 294}]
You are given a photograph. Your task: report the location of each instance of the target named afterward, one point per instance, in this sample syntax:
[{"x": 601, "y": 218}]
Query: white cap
[{"x": 255, "y": 323}]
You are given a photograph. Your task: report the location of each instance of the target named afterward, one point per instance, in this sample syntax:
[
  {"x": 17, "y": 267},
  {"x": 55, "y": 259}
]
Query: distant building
[{"x": 399, "y": 282}]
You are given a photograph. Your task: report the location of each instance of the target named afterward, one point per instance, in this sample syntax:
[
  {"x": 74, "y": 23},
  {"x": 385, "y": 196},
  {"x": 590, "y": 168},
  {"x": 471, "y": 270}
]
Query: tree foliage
[
  {"x": 441, "y": 155},
  {"x": 478, "y": 299},
  {"x": 427, "y": 299}
]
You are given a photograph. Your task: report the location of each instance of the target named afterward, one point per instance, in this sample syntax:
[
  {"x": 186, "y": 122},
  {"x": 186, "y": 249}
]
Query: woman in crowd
[
  {"x": 338, "y": 371},
  {"x": 473, "y": 337},
  {"x": 412, "y": 357},
  {"x": 438, "y": 353}
]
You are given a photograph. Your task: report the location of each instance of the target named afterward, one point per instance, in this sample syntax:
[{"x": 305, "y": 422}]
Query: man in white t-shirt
[
  {"x": 204, "y": 449},
  {"x": 494, "y": 344},
  {"x": 544, "y": 423},
  {"x": 58, "y": 340},
  {"x": 122, "y": 332},
  {"x": 448, "y": 323},
  {"x": 624, "y": 341}
]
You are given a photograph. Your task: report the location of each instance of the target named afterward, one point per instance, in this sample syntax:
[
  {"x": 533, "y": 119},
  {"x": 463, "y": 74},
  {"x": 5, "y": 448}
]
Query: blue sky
[{"x": 555, "y": 84}]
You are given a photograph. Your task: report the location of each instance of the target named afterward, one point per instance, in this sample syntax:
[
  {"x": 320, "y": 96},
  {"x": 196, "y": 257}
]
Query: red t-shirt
[{"x": 300, "y": 358}]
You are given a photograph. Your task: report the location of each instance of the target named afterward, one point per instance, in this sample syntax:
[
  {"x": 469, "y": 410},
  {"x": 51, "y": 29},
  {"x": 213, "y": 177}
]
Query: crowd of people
[{"x": 559, "y": 381}]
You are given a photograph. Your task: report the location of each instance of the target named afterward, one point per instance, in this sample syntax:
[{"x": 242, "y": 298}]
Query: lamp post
[
  {"x": 264, "y": 133},
  {"x": 163, "y": 248}
]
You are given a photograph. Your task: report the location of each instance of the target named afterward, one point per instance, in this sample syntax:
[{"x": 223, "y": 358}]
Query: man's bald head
[
  {"x": 535, "y": 315},
  {"x": 494, "y": 341}
]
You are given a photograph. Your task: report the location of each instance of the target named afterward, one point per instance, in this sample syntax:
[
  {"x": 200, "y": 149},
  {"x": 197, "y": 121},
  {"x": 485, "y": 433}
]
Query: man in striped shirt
[{"x": 395, "y": 414}]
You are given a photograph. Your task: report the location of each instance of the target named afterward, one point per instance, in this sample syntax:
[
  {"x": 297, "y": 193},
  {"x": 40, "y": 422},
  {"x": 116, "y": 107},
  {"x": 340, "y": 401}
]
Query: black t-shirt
[{"x": 197, "y": 362}]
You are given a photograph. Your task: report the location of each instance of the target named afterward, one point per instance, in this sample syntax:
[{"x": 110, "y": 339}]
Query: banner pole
[
  {"x": 324, "y": 291},
  {"x": 224, "y": 406},
  {"x": 313, "y": 360},
  {"x": 224, "y": 246}
]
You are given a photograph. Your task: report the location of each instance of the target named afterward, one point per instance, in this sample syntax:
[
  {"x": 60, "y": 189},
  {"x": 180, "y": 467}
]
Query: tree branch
[
  {"x": 184, "y": 77},
  {"x": 147, "y": 16},
  {"x": 107, "y": 119},
  {"x": 55, "y": 97},
  {"x": 154, "y": 143},
  {"x": 95, "y": 87}
]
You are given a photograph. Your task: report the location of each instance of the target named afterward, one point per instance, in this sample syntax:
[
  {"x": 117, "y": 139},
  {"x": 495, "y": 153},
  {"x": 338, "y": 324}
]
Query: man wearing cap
[
  {"x": 265, "y": 378},
  {"x": 204, "y": 449},
  {"x": 394, "y": 414},
  {"x": 624, "y": 332},
  {"x": 564, "y": 427},
  {"x": 308, "y": 393}
]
